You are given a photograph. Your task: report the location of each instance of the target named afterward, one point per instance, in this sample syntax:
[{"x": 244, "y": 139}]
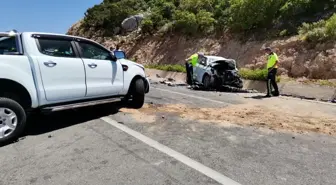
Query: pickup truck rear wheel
[
  {"x": 138, "y": 94},
  {"x": 12, "y": 120}
]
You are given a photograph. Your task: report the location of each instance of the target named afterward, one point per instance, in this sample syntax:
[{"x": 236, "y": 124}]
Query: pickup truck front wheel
[
  {"x": 12, "y": 120},
  {"x": 137, "y": 94}
]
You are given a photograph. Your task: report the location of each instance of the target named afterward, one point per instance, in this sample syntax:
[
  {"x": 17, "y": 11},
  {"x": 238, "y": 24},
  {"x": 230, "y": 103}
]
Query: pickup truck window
[
  {"x": 56, "y": 48},
  {"x": 7, "y": 44},
  {"x": 91, "y": 51}
]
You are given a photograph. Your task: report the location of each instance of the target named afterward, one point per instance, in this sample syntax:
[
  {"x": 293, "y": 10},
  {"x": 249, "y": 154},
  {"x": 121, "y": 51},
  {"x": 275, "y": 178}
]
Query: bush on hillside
[
  {"x": 293, "y": 7},
  {"x": 147, "y": 26},
  {"x": 185, "y": 22},
  {"x": 196, "y": 6},
  {"x": 331, "y": 27},
  {"x": 201, "y": 16},
  {"x": 205, "y": 21},
  {"x": 319, "y": 31},
  {"x": 252, "y": 14},
  {"x": 222, "y": 14}
]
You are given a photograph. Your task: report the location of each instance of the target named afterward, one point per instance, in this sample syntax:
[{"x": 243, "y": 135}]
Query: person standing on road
[
  {"x": 272, "y": 68},
  {"x": 117, "y": 48},
  {"x": 191, "y": 62}
]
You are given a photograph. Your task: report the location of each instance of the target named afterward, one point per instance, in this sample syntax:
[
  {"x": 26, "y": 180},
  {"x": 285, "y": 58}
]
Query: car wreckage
[{"x": 215, "y": 72}]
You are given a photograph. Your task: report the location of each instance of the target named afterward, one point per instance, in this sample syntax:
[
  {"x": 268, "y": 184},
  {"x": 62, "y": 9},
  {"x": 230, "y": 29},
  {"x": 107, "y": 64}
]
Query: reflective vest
[
  {"x": 271, "y": 59},
  {"x": 194, "y": 59}
]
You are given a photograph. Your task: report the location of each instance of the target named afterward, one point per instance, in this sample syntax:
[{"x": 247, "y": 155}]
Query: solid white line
[
  {"x": 178, "y": 156},
  {"x": 189, "y": 95}
]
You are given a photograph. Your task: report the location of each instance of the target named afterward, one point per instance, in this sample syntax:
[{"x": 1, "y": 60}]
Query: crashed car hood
[
  {"x": 223, "y": 61},
  {"x": 220, "y": 62}
]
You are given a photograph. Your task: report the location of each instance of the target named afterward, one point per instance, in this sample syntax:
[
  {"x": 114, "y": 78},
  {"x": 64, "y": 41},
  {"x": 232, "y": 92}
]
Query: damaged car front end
[{"x": 214, "y": 72}]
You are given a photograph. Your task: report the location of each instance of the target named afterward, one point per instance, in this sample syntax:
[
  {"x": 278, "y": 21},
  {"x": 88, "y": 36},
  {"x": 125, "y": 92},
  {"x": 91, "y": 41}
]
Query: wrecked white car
[{"x": 214, "y": 72}]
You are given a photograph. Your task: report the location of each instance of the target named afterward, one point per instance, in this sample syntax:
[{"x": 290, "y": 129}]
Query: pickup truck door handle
[
  {"x": 92, "y": 65},
  {"x": 50, "y": 64}
]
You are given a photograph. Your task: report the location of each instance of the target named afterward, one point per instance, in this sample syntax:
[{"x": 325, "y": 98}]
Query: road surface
[{"x": 163, "y": 144}]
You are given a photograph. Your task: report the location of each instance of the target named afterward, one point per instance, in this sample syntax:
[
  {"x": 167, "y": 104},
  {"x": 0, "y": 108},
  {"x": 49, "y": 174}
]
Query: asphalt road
[{"x": 80, "y": 147}]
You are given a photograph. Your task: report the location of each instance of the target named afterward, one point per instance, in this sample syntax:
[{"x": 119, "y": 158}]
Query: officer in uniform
[
  {"x": 190, "y": 64},
  {"x": 272, "y": 67}
]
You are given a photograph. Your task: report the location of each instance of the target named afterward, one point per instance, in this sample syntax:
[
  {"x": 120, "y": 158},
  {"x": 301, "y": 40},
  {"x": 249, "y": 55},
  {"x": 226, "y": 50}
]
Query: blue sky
[{"x": 54, "y": 16}]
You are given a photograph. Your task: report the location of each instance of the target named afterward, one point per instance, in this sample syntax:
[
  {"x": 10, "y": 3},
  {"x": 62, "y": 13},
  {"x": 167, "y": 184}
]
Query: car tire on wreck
[
  {"x": 238, "y": 83},
  {"x": 206, "y": 81}
]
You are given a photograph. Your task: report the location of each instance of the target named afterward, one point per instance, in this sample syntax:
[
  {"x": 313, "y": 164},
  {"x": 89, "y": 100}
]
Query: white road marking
[
  {"x": 189, "y": 95},
  {"x": 176, "y": 155}
]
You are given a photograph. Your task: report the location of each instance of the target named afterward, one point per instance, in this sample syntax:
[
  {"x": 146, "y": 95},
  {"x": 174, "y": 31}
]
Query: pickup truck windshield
[{"x": 7, "y": 44}]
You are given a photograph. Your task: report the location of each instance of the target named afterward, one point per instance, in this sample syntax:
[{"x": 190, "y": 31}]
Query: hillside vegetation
[
  {"x": 192, "y": 17},
  {"x": 302, "y": 32}
]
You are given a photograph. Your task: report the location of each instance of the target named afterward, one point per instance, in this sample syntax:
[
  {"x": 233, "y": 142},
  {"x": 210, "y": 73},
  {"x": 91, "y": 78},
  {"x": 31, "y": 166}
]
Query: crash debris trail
[{"x": 252, "y": 114}]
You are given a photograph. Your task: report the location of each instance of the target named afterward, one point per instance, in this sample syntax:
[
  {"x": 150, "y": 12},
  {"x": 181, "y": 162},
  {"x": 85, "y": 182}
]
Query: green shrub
[
  {"x": 106, "y": 17},
  {"x": 147, "y": 26},
  {"x": 196, "y": 16},
  {"x": 319, "y": 31},
  {"x": 330, "y": 27},
  {"x": 167, "y": 10},
  {"x": 252, "y": 14},
  {"x": 167, "y": 67},
  {"x": 157, "y": 19},
  {"x": 256, "y": 74},
  {"x": 205, "y": 21},
  {"x": 185, "y": 22},
  {"x": 292, "y": 8},
  {"x": 221, "y": 14},
  {"x": 283, "y": 33},
  {"x": 196, "y": 6}
]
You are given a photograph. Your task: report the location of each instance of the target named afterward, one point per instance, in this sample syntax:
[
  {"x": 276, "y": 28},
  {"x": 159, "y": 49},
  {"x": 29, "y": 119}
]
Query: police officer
[
  {"x": 272, "y": 67},
  {"x": 190, "y": 64}
]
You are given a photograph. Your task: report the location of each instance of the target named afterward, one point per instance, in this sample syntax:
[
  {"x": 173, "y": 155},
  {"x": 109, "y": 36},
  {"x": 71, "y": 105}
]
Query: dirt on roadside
[{"x": 257, "y": 115}]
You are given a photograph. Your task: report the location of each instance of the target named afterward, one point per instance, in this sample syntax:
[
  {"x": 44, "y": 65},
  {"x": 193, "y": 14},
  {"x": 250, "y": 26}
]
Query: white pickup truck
[{"x": 52, "y": 72}]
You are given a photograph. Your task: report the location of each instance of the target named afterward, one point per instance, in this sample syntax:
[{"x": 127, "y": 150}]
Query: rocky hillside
[{"x": 305, "y": 50}]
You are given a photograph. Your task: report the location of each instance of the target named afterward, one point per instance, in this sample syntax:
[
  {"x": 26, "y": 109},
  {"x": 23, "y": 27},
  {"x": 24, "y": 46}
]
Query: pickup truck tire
[
  {"x": 138, "y": 94},
  {"x": 12, "y": 120}
]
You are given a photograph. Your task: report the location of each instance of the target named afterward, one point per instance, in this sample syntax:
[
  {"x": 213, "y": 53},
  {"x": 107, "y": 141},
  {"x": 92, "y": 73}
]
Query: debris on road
[
  {"x": 226, "y": 88},
  {"x": 171, "y": 79},
  {"x": 252, "y": 114},
  {"x": 172, "y": 83}
]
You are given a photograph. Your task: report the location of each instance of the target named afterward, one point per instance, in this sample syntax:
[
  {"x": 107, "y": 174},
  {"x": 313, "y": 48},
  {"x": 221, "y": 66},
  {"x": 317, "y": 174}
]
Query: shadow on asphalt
[
  {"x": 258, "y": 97},
  {"x": 224, "y": 89},
  {"x": 44, "y": 123}
]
